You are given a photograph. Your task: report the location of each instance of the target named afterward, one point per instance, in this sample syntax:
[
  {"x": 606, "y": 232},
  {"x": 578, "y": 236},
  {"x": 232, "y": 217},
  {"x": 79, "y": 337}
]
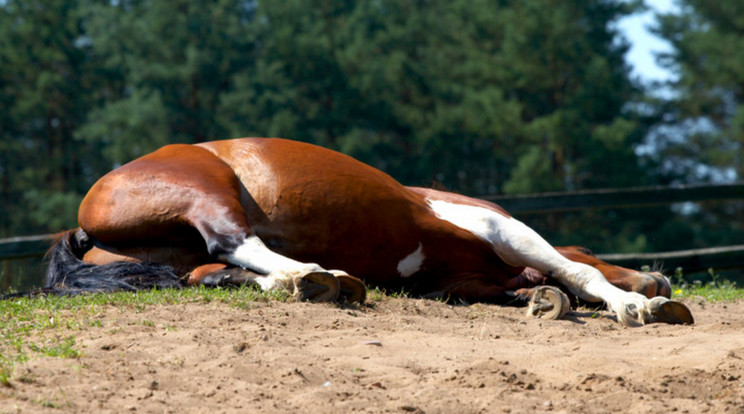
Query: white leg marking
[
  {"x": 412, "y": 263},
  {"x": 272, "y": 282},
  {"x": 280, "y": 270},
  {"x": 519, "y": 245}
]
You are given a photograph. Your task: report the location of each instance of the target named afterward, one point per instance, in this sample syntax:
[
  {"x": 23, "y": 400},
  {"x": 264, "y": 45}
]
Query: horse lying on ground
[{"x": 285, "y": 214}]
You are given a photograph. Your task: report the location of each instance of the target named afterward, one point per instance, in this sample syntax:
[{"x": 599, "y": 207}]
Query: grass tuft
[
  {"x": 61, "y": 348},
  {"x": 6, "y": 371},
  {"x": 716, "y": 290},
  {"x": 378, "y": 294}
]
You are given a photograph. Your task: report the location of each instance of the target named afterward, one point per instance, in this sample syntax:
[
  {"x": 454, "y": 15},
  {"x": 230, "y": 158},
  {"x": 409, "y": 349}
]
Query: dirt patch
[{"x": 396, "y": 355}]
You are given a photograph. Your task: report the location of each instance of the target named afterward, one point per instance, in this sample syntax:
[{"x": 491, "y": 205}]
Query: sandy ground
[{"x": 394, "y": 355}]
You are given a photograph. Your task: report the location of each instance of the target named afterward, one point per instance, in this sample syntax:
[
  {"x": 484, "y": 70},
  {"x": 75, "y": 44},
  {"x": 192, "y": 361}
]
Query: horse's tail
[{"x": 69, "y": 274}]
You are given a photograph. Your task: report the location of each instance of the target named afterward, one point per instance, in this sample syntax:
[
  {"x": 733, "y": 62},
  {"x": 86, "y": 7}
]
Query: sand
[{"x": 392, "y": 355}]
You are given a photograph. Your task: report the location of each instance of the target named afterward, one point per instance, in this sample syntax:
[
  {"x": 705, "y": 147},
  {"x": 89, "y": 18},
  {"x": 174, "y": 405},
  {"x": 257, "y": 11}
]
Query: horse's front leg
[{"x": 518, "y": 245}]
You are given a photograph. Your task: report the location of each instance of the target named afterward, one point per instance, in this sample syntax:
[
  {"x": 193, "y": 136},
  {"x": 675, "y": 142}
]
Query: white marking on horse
[
  {"x": 412, "y": 263},
  {"x": 279, "y": 270},
  {"x": 518, "y": 245}
]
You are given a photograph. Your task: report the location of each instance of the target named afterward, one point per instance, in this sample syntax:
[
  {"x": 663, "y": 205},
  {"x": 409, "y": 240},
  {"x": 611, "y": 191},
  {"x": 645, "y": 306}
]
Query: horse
[{"x": 284, "y": 214}]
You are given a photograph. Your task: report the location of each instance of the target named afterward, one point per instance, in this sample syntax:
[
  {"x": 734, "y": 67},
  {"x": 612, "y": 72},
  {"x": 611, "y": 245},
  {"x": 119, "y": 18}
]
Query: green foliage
[
  {"x": 453, "y": 92},
  {"x": 169, "y": 64},
  {"x": 43, "y": 69},
  {"x": 127, "y": 128}
]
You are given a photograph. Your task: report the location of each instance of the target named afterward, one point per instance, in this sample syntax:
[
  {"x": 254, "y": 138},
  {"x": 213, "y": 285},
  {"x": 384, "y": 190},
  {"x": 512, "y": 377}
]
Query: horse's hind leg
[{"x": 166, "y": 195}]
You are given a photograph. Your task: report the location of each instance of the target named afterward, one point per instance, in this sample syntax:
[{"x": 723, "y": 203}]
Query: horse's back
[{"x": 274, "y": 168}]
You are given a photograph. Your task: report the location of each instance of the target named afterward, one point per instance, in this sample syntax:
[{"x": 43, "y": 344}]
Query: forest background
[{"x": 475, "y": 96}]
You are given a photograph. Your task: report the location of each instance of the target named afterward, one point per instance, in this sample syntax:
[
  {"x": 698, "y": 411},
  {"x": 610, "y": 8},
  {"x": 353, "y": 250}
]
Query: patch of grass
[
  {"x": 375, "y": 294},
  {"x": 146, "y": 322},
  {"x": 378, "y": 294},
  {"x": 725, "y": 291},
  {"x": 61, "y": 348},
  {"x": 46, "y": 402},
  {"x": 717, "y": 290},
  {"x": 6, "y": 371}
]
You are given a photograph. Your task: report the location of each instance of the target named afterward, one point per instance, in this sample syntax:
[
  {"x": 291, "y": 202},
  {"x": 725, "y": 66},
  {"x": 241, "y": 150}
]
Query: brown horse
[{"x": 285, "y": 214}]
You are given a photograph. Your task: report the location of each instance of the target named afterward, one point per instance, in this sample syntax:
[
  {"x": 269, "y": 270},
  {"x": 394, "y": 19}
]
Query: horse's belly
[{"x": 365, "y": 243}]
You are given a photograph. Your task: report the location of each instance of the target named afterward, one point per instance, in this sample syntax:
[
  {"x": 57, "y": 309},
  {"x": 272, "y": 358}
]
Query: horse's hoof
[
  {"x": 663, "y": 310},
  {"x": 548, "y": 302},
  {"x": 317, "y": 287},
  {"x": 352, "y": 289}
]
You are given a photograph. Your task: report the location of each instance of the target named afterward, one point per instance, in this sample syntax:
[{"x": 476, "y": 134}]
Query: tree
[
  {"x": 44, "y": 66},
  {"x": 702, "y": 138},
  {"x": 479, "y": 96},
  {"x": 168, "y": 64},
  {"x": 708, "y": 60}
]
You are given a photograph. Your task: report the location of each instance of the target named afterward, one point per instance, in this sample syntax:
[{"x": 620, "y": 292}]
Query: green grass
[
  {"x": 59, "y": 347},
  {"x": 715, "y": 290},
  {"x": 6, "y": 372},
  {"x": 377, "y": 294},
  {"x": 724, "y": 291}
]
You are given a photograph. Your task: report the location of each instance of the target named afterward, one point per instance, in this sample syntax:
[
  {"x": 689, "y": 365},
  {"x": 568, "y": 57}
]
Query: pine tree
[
  {"x": 702, "y": 138},
  {"x": 480, "y": 96},
  {"x": 708, "y": 101},
  {"x": 44, "y": 73},
  {"x": 168, "y": 65}
]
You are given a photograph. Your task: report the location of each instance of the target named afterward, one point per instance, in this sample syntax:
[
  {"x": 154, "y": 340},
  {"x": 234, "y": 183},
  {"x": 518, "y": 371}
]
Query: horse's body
[{"x": 280, "y": 213}]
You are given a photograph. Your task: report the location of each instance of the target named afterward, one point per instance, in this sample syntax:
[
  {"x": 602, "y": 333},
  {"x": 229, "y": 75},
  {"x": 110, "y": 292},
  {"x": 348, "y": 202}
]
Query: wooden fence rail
[
  {"x": 616, "y": 198},
  {"x": 26, "y": 246},
  {"x": 691, "y": 261}
]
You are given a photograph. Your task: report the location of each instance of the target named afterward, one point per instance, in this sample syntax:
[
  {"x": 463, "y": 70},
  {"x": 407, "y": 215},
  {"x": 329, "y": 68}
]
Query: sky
[{"x": 644, "y": 44}]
